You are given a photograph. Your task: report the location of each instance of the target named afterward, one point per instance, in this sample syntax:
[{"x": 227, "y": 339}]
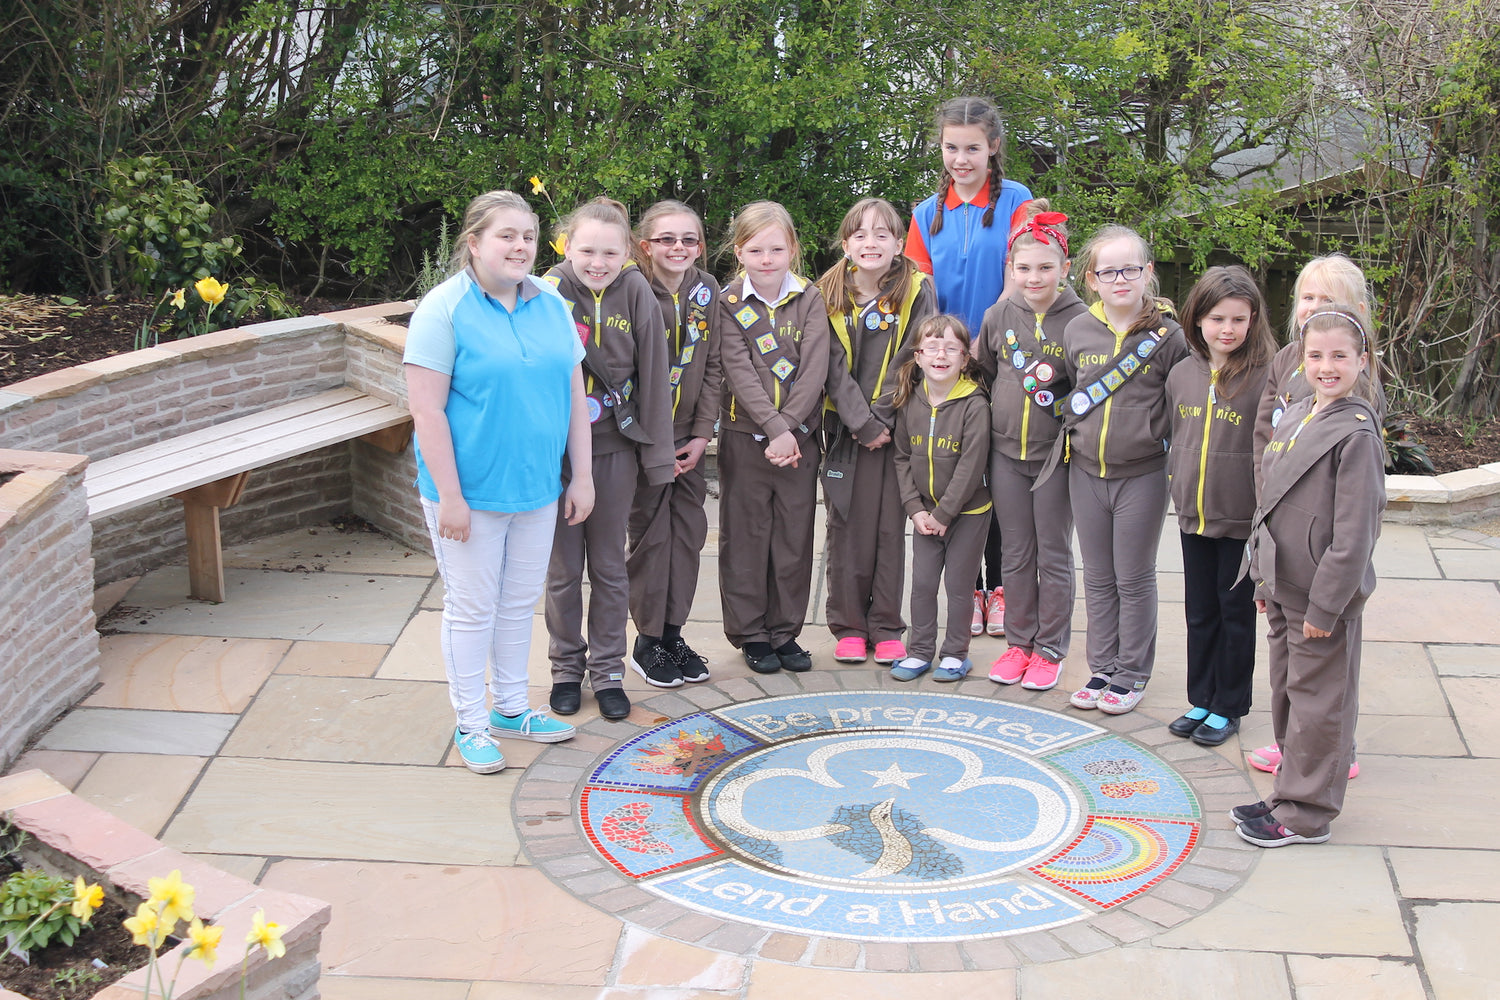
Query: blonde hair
[
  {"x": 1345, "y": 316},
  {"x": 1153, "y": 305},
  {"x": 837, "y": 283},
  {"x": 1342, "y": 279},
  {"x": 600, "y": 209},
  {"x": 933, "y": 328},
  {"x": 758, "y": 216},
  {"x": 477, "y": 218},
  {"x": 647, "y": 226}
]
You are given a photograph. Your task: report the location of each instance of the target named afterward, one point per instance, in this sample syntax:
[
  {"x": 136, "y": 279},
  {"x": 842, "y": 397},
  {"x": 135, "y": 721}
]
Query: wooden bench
[{"x": 207, "y": 469}]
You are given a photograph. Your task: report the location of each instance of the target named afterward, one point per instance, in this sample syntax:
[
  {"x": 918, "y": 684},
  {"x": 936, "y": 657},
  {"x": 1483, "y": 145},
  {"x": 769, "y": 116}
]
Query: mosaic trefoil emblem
[{"x": 890, "y": 816}]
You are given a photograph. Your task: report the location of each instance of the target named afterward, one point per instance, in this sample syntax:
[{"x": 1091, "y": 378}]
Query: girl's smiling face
[
  {"x": 1312, "y": 296},
  {"x": 598, "y": 252},
  {"x": 872, "y": 246},
  {"x": 1332, "y": 360},
  {"x": 1225, "y": 327},
  {"x": 1123, "y": 296},
  {"x": 966, "y": 155},
  {"x": 766, "y": 256},
  {"x": 942, "y": 361},
  {"x": 1039, "y": 272},
  {"x": 503, "y": 251},
  {"x": 675, "y": 258}
]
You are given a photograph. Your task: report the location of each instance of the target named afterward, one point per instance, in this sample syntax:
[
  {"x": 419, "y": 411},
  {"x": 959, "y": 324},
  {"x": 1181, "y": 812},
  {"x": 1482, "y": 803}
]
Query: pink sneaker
[
  {"x": 1041, "y": 673},
  {"x": 889, "y": 651},
  {"x": 851, "y": 649},
  {"x": 1268, "y": 759},
  {"x": 994, "y": 612},
  {"x": 976, "y": 627},
  {"x": 1010, "y": 666}
]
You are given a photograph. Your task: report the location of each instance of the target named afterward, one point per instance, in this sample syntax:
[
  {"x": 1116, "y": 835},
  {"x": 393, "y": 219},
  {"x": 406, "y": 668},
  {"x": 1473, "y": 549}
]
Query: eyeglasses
[
  {"x": 1110, "y": 275},
  {"x": 666, "y": 242},
  {"x": 934, "y": 351}
]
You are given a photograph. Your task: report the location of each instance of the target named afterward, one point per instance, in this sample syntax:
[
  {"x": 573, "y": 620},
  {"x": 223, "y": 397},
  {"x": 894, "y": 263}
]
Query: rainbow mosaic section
[{"x": 889, "y": 816}]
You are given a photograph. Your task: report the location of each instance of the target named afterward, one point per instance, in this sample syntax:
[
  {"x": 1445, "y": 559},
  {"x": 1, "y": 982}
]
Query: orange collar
[{"x": 981, "y": 200}]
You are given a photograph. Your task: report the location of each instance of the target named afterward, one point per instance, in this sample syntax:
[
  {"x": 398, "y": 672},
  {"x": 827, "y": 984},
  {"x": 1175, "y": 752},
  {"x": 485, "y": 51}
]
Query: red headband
[{"x": 1041, "y": 226}]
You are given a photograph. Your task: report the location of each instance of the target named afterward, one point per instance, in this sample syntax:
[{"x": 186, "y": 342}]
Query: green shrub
[
  {"x": 161, "y": 226},
  {"x": 34, "y": 910}
]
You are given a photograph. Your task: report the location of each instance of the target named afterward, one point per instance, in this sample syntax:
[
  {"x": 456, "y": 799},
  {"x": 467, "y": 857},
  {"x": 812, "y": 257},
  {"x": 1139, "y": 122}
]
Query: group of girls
[{"x": 956, "y": 382}]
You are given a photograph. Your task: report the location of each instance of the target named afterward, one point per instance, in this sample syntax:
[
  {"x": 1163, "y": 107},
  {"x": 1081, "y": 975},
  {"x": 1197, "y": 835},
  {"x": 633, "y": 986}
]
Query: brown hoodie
[
  {"x": 692, "y": 313},
  {"x": 943, "y": 452},
  {"x": 775, "y": 361},
  {"x": 1019, "y": 428},
  {"x": 1211, "y": 463}
]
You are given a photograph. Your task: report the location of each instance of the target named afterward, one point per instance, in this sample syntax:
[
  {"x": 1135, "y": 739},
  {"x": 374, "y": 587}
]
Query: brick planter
[{"x": 71, "y": 837}]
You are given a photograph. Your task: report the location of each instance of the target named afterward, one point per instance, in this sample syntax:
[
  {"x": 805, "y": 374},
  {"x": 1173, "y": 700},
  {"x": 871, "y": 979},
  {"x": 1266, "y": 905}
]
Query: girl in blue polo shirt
[
  {"x": 959, "y": 237},
  {"x": 495, "y": 388}
]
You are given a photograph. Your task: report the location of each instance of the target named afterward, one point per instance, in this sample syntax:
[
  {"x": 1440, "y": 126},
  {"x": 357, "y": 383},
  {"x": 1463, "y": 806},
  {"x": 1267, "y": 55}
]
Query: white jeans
[{"x": 491, "y": 586}]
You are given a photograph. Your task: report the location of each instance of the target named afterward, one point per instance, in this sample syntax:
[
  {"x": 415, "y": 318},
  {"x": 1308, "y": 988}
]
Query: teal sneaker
[
  {"x": 533, "y": 724},
  {"x": 910, "y": 668},
  {"x": 479, "y": 752}
]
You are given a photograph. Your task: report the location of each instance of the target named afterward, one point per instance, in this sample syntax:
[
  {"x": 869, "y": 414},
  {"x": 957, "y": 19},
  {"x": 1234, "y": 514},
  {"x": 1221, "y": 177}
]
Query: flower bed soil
[{"x": 68, "y": 972}]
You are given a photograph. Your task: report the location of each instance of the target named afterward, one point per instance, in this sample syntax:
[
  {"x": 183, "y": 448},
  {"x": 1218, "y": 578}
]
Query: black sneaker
[
  {"x": 1243, "y": 814},
  {"x": 794, "y": 657},
  {"x": 654, "y": 662},
  {"x": 694, "y": 668},
  {"x": 1264, "y": 831}
]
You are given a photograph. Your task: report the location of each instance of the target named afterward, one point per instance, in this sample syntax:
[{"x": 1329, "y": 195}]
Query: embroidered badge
[
  {"x": 1044, "y": 372},
  {"x": 693, "y": 334},
  {"x": 556, "y": 281},
  {"x": 783, "y": 368},
  {"x": 676, "y": 375},
  {"x": 687, "y": 354},
  {"x": 596, "y": 409},
  {"x": 746, "y": 317},
  {"x": 1018, "y": 359},
  {"x": 1097, "y": 392},
  {"x": 1079, "y": 401},
  {"x": 1129, "y": 363},
  {"x": 1145, "y": 348},
  {"x": 1276, "y": 417},
  {"x": 1044, "y": 398},
  {"x": 1029, "y": 383},
  {"x": 1113, "y": 379},
  {"x": 701, "y": 295},
  {"x": 872, "y": 321},
  {"x": 766, "y": 342},
  {"x": 627, "y": 389}
]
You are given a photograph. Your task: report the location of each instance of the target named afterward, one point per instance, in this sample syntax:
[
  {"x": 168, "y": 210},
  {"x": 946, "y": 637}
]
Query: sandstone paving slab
[
  {"x": 455, "y": 922},
  {"x": 268, "y": 604},
  {"x": 774, "y": 981},
  {"x": 1406, "y": 735},
  {"x": 144, "y": 790},
  {"x": 66, "y": 767},
  {"x": 1457, "y": 941},
  {"x": 1465, "y": 660},
  {"x": 1447, "y": 874},
  {"x": 1328, "y": 899},
  {"x": 1365, "y": 978},
  {"x": 1160, "y": 974},
  {"x": 416, "y": 654},
  {"x": 245, "y": 866},
  {"x": 1397, "y": 678},
  {"x": 183, "y": 673},
  {"x": 129, "y": 730},
  {"x": 326, "y": 549},
  {"x": 1433, "y": 611},
  {"x": 1470, "y": 564},
  {"x": 354, "y": 719},
  {"x": 333, "y": 659},
  {"x": 1403, "y": 551},
  {"x": 336, "y": 987},
  {"x": 434, "y": 596},
  {"x": 647, "y": 960},
  {"x": 305, "y": 809},
  {"x": 1421, "y": 802},
  {"x": 1472, "y": 698}
]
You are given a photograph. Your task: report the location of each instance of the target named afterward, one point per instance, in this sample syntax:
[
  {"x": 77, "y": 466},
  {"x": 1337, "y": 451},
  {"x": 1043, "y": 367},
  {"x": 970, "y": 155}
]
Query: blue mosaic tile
[
  {"x": 1017, "y": 727},
  {"x": 736, "y": 891},
  {"x": 676, "y": 756},
  {"x": 1115, "y": 859},
  {"x": 642, "y": 833},
  {"x": 1121, "y": 777}
]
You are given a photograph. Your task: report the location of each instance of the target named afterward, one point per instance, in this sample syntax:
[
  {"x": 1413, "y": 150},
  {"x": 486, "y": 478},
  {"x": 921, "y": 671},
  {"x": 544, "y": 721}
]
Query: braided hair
[{"x": 971, "y": 111}]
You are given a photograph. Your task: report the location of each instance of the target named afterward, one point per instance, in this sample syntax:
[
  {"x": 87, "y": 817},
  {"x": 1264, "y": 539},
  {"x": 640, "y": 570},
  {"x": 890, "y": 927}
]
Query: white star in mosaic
[{"x": 893, "y": 775}]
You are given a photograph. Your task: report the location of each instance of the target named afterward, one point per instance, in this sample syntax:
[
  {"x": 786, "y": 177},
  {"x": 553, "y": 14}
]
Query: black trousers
[{"x": 1220, "y": 625}]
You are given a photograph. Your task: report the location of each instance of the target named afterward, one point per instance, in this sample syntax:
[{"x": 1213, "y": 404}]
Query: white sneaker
[
  {"x": 1113, "y": 703},
  {"x": 1088, "y": 695}
]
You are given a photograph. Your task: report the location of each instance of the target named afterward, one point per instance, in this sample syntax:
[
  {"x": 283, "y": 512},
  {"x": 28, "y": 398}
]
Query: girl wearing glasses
[
  {"x": 668, "y": 525},
  {"x": 875, "y": 297},
  {"x": 942, "y": 442},
  {"x": 1117, "y": 424},
  {"x": 775, "y": 355},
  {"x": 625, "y": 375},
  {"x": 959, "y": 236},
  {"x": 1020, "y": 351}
]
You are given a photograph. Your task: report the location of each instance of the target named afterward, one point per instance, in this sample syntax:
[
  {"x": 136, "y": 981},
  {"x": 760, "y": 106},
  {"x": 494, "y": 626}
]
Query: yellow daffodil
[
  {"x": 205, "y": 942},
  {"x": 179, "y": 298},
  {"x": 560, "y": 243},
  {"x": 267, "y": 936},
  {"x": 537, "y": 187},
  {"x": 144, "y": 926},
  {"x": 211, "y": 290},
  {"x": 86, "y": 899},
  {"x": 175, "y": 898}
]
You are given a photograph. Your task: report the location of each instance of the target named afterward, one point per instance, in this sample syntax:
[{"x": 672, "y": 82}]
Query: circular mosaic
[{"x": 879, "y": 816}]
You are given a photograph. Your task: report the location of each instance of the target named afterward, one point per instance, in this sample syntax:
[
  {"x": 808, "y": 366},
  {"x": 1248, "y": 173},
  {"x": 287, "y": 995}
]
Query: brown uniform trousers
[
  {"x": 954, "y": 557},
  {"x": 667, "y": 529},
  {"x": 866, "y": 553},
  {"x": 1038, "y": 555}
]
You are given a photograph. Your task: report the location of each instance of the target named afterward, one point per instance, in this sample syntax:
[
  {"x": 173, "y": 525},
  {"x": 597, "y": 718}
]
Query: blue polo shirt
[
  {"x": 510, "y": 394},
  {"x": 968, "y": 259}
]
